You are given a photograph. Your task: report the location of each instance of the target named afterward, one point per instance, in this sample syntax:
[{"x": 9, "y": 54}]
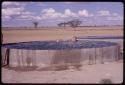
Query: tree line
[{"x": 73, "y": 23}]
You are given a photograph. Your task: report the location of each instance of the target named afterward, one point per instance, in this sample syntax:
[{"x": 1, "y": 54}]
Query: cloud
[
  {"x": 103, "y": 13},
  {"x": 26, "y": 13},
  {"x": 9, "y": 9},
  {"x": 68, "y": 2},
  {"x": 9, "y": 12},
  {"x": 25, "y": 17},
  {"x": 114, "y": 14},
  {"x": 18, "y": 11},
  {"x": 5, "y": 17},
  {"x": 83, "y": 13},
  {"x": 49, "y": 10},
  {"x": 109, "y": 15},
  {"x": 115, "y": 18},
  {"x": 15, "y": 10},
  {"x": 50, "y": 13},
  {"x": 10, "y": 3},
  {"x": 12, "y": 11},
  {"x": 69, "y": 13}
]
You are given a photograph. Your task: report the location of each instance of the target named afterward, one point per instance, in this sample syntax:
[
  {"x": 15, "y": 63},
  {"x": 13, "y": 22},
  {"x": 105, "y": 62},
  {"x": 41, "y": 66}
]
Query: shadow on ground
[{"x": 49, "y": 68}]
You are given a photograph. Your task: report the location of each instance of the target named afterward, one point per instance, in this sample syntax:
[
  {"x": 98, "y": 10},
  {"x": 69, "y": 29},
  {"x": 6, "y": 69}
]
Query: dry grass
[{"x": 10, "y": 36}]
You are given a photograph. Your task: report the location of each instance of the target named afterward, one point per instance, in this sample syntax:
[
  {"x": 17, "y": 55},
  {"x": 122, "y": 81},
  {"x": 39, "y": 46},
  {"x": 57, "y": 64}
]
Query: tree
[
  {"x": 35, "y": 24},
  {"x": 63, "y": 24},
  {"x": 73, "y": 23}
]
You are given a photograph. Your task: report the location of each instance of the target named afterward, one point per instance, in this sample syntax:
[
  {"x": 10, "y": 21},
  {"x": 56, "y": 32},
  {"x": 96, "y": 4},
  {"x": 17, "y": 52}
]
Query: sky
[{"x": 16, "y": 14}]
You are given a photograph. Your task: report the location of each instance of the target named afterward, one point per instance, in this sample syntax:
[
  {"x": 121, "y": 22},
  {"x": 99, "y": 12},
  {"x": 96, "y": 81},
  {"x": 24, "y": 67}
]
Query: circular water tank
[{"x": 47, "y": 53}]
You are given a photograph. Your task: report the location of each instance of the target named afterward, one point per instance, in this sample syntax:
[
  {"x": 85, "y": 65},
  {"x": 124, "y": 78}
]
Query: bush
[{"x": 106, "y": 81}]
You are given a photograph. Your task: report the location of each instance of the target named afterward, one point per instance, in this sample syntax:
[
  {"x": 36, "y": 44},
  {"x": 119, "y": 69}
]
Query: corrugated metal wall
[{"x": 43, "y": 58}]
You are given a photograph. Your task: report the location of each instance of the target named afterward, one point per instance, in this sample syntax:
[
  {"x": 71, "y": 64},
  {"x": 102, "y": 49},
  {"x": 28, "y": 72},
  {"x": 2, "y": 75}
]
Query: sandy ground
[
  {"x": 87, "y": 74},
  {"x": 10, "y": 36}
]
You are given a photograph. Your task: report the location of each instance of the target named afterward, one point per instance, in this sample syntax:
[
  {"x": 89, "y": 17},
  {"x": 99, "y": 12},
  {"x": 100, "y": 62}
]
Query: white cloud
[
  {"x": 9, "y": 9},
  {"x": 7, "y": 13},
  {"x": 114, "y": 14},
  {"x": 19, "y": 13},
  {"x": 49, "y": 10},
  {"x": 6, "y": 17},
  {"x": 91, "y": 15},
  {"x": 16, "y": 10},
  {"x": 83, "y": 13},
  {"x": 109, "y": 15},
  {"x": 24, "y": 17},
  {"x": 12, "y": 11},
  {"x": 10, "y": 3},
  {"x": 13, "y": 4},
  {"x": 103, "y": 13},
  {"x": 28, "y": 17},
  {"x": 25, "y": 12},
  {"x": 69, "y": 13},
  {"x": 37, "y": 18},
  {"x": 113, "y": 18},
  {"x": 50, "y": 13}
]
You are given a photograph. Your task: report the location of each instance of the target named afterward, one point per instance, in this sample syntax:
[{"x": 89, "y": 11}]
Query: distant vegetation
[
  {"x": 35, "y": 24},
  {"x": 73, "y": 23}
]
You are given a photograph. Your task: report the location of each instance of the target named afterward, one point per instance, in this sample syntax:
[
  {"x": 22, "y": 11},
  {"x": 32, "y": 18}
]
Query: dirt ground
[
  {"x": 87, "y": 74},
  {"x": 10, "y": 36}
]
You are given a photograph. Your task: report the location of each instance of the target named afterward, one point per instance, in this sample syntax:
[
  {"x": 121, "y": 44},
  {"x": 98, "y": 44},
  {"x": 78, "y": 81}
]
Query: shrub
[{"x": 106, "y": 81}]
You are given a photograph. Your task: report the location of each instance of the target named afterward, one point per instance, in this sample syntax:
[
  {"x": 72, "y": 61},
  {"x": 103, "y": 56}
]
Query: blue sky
[{"x": 16, "y": 14}]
